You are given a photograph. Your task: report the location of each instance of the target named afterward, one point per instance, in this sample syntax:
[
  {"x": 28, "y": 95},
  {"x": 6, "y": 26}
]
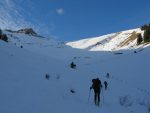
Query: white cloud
[{"x": 60, "y": 11}]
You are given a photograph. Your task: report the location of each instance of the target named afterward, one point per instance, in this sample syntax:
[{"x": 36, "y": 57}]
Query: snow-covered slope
[
  {"x": 43, "y": 46},
  {"x": 24, "y": 88},
  {"x": 115, "y": 41}
]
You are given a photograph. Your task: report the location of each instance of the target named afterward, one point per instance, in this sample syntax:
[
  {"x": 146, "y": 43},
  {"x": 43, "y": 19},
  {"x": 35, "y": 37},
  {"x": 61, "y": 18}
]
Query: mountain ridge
[{"x": 111, "y": 42}]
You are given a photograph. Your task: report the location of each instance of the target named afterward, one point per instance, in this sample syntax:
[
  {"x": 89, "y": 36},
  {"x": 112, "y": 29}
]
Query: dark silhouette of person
[
  {"x": 107, "y": 75},
  {"x": 47, "y": 76},
  {"x": 96, "y": 86},
  {"x": 73, "y": 65},
  {"x": 106, "y": 84}
]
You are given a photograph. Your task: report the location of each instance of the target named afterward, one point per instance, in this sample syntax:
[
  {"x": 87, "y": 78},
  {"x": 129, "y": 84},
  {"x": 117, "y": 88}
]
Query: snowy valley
[{"x": 26, "y": 59}]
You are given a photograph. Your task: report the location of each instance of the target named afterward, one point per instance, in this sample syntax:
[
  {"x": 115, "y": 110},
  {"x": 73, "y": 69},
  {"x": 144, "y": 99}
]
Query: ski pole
[
  {"x": 89, "y": 95},
  {"x": 102, "y": 96}
]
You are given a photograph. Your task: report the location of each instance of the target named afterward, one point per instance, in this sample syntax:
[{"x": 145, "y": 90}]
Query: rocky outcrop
[
  {"x": 28, "y": 31},
  {"x": 4, "y": 37}
]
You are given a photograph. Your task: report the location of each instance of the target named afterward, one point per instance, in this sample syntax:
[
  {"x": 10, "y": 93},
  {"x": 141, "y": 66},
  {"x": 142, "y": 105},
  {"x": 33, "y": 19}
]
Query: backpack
[{"x": 96, "y": 83}]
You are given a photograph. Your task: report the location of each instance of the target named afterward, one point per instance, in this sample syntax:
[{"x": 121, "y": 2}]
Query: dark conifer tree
[
  {"x": 147, "y": 34},
  {"x": 139, "y": 39}
]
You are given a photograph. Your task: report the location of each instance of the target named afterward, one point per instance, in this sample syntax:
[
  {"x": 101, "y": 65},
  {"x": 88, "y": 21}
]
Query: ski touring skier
[
  {"x": 96, "y": 86},
  {"x": 105, "y": 84}
]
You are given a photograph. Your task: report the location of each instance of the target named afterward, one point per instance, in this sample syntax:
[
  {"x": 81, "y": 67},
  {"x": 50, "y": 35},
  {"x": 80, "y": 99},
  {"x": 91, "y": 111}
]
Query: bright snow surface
[{"x": 24, "y": 88}]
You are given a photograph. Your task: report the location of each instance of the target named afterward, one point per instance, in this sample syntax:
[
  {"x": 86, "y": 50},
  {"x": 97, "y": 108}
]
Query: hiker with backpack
[{"x": 96, "y": 86}]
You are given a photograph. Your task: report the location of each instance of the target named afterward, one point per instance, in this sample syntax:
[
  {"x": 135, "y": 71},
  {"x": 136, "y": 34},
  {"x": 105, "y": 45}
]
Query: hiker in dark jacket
[
  {"x": 96, "y": 86},
  {"x": 105, "y": 84}
]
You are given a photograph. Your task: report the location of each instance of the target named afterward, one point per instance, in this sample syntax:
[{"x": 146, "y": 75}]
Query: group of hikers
[{"x": 97, "y": 86}]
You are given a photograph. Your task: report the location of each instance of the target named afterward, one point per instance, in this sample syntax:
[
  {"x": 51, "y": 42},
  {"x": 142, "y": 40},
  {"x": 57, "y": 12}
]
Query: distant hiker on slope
[
  {"x": 47, "y": 76},
  {"x": 73, "y": 65},
  {"x": 96, "y": 86},
  {"x": 105, "y": 84},
  {"x": 107, "y": 75}
]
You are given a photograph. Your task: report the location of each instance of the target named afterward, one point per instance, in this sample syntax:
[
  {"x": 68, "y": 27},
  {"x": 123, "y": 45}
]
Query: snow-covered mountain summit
[{"x": 115, "y": 41}]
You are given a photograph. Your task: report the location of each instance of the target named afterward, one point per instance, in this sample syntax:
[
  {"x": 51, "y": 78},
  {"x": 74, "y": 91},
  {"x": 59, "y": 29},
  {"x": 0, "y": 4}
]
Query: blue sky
[{"x": 69, "y": 20}]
